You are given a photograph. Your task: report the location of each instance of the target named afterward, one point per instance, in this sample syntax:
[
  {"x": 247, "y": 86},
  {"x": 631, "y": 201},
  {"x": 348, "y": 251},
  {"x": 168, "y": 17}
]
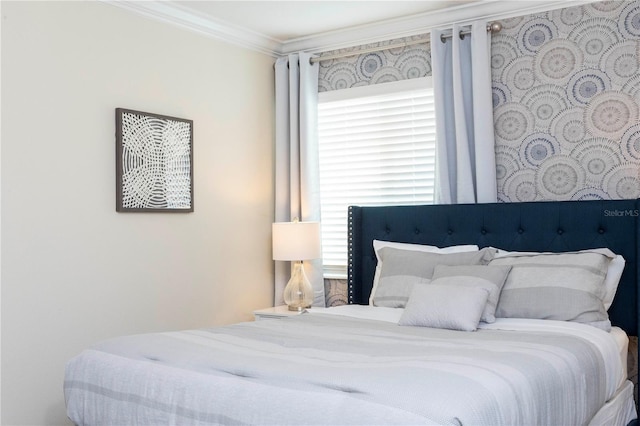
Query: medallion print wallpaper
[
  {"x": 566, "y": 98},
  {"x": 383, "y": 66}
]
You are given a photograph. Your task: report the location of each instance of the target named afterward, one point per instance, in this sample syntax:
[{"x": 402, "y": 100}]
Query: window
[{"x": 376, "y": 147}]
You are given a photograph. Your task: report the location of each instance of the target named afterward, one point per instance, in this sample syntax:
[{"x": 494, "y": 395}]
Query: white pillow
[
  {"x": 614, "y": 270},
  {"x": 379, "y": 244},
  {"x": 442, "y": 304}
]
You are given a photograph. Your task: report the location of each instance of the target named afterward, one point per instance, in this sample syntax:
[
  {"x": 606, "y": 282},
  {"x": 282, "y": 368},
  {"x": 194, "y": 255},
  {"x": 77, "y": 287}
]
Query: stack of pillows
[{"x": 460, "y": 286}]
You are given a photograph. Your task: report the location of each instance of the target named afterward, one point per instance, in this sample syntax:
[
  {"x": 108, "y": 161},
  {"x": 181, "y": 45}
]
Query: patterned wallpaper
[
  {"x": 566, "y": 95},
  {"x": 377, "y": 67}
]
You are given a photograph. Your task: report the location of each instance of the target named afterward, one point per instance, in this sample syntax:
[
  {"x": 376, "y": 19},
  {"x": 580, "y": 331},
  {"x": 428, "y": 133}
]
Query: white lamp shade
[{"x": 296, "y": 240}]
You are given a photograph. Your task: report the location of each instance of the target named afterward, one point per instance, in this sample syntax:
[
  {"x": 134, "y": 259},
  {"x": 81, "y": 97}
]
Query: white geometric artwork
[{"x": 154, "y": 162}]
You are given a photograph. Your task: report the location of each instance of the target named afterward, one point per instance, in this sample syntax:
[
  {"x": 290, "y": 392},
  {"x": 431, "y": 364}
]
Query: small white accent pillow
[
  {"x": 442, "y": 305},
  {"x": 379, "y": 244}
]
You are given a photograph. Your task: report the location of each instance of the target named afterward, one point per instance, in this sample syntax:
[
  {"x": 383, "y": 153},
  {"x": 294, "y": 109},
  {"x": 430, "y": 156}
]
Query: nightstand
[{"x": 275, "y": 313}]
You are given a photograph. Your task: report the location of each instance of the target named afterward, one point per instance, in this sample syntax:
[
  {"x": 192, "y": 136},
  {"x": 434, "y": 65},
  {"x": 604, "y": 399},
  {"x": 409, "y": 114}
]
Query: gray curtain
[
  {"x": 466, "y": 167},
  {"x": 297, "y": 186}
]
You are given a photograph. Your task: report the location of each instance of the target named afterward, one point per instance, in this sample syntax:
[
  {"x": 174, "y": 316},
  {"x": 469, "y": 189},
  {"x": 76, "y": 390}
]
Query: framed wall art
[{"x": 154, "y": 162}]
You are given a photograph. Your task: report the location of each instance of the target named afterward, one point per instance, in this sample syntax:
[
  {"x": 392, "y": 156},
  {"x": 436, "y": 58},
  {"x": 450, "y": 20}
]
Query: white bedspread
[{"x": 333, "y": 370}]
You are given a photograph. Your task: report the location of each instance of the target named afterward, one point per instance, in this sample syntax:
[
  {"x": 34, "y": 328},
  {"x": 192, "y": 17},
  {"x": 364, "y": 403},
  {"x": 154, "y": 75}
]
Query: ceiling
[
  {"x": 286, "y": 20},
  {"x": 280, "y": 27}
]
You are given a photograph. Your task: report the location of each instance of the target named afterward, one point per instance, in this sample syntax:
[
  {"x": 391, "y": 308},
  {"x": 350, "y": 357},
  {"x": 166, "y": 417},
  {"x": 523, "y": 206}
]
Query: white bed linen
[
  {"x": 393, "y": 315},
  {"x": 619, "y": 410},
  {"x": 622, "y": 341},
  {"x": 378, "y": 313},
  {"x": 607, "y": 344},
  {"x": 344, "y": 371}
]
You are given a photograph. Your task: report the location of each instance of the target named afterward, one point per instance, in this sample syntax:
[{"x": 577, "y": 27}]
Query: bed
[{"x": 356, "y": 365}]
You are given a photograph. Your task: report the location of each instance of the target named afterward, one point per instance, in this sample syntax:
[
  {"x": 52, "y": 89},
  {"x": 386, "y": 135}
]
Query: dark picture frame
[{"x": 154, "y": 162}]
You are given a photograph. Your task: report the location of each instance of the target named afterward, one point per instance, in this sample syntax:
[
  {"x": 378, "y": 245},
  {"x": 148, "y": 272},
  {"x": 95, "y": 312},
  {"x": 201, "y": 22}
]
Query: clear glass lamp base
[{"x": 298, "y": 294}]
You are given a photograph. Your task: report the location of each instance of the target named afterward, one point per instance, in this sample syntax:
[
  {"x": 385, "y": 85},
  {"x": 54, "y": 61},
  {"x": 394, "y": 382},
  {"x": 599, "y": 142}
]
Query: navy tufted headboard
[{"x": 532, "y": 226}]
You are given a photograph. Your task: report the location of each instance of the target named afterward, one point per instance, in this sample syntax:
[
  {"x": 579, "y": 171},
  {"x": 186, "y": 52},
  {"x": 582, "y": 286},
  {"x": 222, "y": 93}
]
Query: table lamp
[{"x": 297, "y": 241}]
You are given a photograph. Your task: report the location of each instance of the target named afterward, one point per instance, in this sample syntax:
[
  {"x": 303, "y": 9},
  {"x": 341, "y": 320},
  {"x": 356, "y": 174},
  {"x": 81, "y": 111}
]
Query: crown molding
[
  {"x": 423, "y": 23},
  {"x": 174, "y": 13}
]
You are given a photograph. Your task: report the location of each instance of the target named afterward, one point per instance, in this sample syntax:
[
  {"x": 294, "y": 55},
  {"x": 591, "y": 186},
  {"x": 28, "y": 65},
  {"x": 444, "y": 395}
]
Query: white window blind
[{"x": 376, "y": 147}]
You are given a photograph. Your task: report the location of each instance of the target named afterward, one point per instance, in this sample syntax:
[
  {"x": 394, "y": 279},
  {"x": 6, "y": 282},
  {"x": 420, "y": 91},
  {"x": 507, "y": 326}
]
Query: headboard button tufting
[
  {"x": 449, "y": 232},
  {"x": 417, "y": 231},
  {"x": 601, "y": 231},
  {"x": 520, "y": 230},
  {"x": 483, "y": 231},
  {"x": 560, "y": 231}
]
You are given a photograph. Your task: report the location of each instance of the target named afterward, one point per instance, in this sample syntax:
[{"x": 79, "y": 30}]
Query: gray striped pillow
[
  {"x": 402, "y": 269},
  {"x": 555, "y": 286},
  {"x": 490, "y": 277}
]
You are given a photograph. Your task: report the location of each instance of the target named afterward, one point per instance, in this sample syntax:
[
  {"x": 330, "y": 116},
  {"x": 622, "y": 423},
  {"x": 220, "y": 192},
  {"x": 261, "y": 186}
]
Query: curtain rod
[{"x": 492, "y": 27}]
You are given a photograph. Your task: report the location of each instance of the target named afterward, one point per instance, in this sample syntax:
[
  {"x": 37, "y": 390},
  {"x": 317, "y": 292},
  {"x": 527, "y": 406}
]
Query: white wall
[{"x": 73, "y": 270}]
